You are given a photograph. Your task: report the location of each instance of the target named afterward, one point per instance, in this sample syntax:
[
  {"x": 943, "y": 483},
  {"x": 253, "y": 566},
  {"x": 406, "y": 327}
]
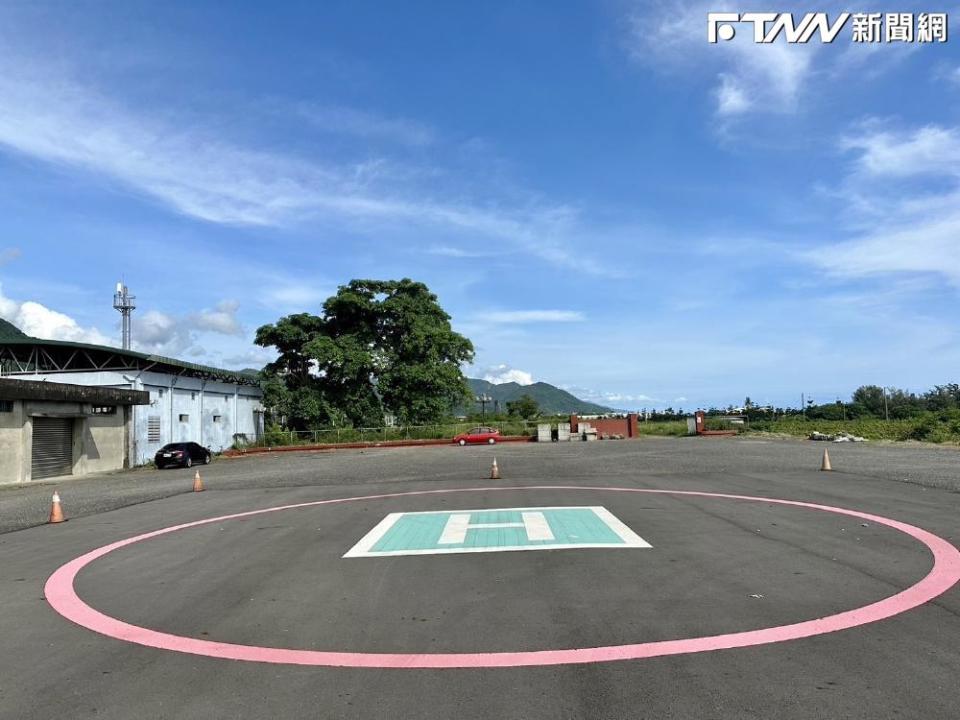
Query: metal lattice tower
[{"x": 123, "y": 301}]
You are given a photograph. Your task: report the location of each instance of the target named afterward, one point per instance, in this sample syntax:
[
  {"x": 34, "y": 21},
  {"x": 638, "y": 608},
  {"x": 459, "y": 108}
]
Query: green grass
[{"x": 671, "y": 428}]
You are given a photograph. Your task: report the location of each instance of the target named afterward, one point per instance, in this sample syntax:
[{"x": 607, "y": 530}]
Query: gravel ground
[{"x": 927, "y": 465}]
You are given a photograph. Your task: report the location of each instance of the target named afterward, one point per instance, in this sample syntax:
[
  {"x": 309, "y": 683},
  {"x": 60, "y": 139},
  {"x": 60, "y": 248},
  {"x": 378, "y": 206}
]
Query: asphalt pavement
[{"x": 716, "y": 567}]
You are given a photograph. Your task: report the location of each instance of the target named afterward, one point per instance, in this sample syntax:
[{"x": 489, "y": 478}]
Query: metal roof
[{"x": 12, "y": 337}]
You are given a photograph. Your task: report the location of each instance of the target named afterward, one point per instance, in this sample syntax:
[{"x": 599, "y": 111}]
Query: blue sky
[{"x": 601, "y": 199}]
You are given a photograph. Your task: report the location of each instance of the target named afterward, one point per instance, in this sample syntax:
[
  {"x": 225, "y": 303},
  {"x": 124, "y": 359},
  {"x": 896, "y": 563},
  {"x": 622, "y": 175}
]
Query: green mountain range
[{"x": 552, "y": 400}]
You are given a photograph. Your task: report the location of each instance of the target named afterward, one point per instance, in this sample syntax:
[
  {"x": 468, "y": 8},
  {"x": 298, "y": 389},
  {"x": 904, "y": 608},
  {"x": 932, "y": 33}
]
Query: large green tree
[
  {"x": 525, "y": 406},
  {"x": 380, "y": 345}
]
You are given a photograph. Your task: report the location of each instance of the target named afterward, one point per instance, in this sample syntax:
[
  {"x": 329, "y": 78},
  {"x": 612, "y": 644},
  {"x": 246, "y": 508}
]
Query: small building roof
[{"x": 16, "y": 389}]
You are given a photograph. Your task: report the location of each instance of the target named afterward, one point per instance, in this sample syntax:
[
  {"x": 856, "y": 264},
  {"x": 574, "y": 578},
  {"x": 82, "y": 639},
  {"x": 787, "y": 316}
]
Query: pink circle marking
[{"x": 945, "y": 572}]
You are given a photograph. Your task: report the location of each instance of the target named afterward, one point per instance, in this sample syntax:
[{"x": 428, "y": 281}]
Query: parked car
[
  {"x": 478, "y": 435},
  {"x": 183, "y": 454}
]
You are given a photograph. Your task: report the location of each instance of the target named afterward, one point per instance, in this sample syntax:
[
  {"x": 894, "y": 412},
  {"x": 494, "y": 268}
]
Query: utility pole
[
  {"x": 803, "y": 405},
  {"x": 483, "y": 400},
  {"x": 886, "y": 409}
]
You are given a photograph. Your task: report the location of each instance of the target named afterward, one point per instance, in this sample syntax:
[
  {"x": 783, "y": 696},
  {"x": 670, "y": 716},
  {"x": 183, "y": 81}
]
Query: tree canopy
[
  {"x": 379, "y": 345},
  {"x": 525, "y": 406}
]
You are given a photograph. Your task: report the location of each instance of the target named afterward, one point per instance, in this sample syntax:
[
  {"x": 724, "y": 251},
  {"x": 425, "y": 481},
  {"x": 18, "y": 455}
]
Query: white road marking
[
  {"x": 373, "y": 537},
  {"x": 455, "y": 531},
  {"x": 625, "y": 533},
  {"x": 536, "y": 525}
]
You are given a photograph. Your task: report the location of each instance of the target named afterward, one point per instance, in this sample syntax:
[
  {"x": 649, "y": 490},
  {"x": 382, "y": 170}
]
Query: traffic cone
[
  {"x": 197, "y": 483},
  {"x": 825, "y": 465},
  {"x": 494, "y": 471},
  {"x": 56, "y": 512}
]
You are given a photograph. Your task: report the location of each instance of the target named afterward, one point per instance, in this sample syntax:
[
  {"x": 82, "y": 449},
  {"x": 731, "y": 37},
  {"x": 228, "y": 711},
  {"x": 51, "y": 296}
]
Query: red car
[{"x": 484, "y": 435}]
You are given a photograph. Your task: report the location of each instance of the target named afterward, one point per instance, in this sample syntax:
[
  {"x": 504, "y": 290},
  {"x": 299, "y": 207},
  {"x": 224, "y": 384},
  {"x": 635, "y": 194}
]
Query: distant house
[{"x": 188, "y": 402}]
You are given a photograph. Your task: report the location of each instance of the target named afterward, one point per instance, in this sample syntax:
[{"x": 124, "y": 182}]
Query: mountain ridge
[{"x": 551, "y": 399}]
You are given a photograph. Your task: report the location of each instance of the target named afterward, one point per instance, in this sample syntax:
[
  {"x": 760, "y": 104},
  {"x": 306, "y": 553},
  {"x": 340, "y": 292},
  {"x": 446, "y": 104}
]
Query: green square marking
[{"x": 496, "y": 530}]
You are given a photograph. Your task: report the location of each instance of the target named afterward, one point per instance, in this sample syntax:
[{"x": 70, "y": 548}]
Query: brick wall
[{"x": 609, "y": 426}]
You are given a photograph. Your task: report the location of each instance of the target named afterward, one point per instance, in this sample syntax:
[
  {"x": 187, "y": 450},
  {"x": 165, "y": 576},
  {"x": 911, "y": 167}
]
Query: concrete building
[
  {"x": 187, "y": 402},
  {"x": 52, "y": 429}
]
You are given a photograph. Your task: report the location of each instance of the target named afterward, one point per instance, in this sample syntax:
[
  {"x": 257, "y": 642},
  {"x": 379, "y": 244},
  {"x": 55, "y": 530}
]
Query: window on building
[
  {"x": 6, "y": 406},
  {"x": 184, "y": 418},
  {"x": 216, "y": 418},
  {"x": 153, "y": 429}
]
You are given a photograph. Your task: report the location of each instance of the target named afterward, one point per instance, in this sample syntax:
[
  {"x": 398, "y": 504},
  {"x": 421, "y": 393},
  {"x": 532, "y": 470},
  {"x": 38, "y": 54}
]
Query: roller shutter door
[{"x": 52, "y": 447}]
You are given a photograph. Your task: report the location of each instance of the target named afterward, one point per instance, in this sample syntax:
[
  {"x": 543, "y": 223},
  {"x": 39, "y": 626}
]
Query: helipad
[{"x": 496, "y": 530}]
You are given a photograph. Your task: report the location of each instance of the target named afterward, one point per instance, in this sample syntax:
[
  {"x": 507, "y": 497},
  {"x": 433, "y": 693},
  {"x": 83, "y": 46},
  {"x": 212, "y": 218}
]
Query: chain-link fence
[{"x": 440, "y": 431}]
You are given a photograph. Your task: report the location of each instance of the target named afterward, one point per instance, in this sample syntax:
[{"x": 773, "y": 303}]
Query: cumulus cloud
[
  {"x": 254, "y": 358},
  {"x": 40, "y": 321},
  {"x": 158, "y": 333},
  {"x": 499, "y": 374},
  {"x": 222, "y": 319},
  {"x": 163, "y": 334}
]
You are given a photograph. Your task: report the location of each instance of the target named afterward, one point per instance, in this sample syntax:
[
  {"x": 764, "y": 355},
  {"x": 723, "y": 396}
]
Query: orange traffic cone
[
  {"x": 56, "y": 512},
  {"x": 494, "y": 471},
  {"x": 197, "y": 483},
  {"x": 825, "y": 465}
]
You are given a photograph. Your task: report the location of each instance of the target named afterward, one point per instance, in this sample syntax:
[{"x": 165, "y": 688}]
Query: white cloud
[
  {"x": 509, "y": 317},
  {"x": 905, "y": 225},
  {"x": 161, "y": 334},
  {"x": 350, "y": 121},
  {"x": 924, "y": 246},
  {"x": 223, "y": 319},
  {"x": 197, "y": 173},
  {"x": 447, "y": 251},
  {"x": 40, "y": 321},
  {"x": 500, "y": 374},
  {"x": 612, "y": 397},
  {"x": 731, "y": 98},
  {"x": 297, "y": 296},
  {"x": 929, "y": 150},
  {"x": 255, "y": 358},
  {"x": 602, "y": 397},
  {"x": 751, "y": 77}
]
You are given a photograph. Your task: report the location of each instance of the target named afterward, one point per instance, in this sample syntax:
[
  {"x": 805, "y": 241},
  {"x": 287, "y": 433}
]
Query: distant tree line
[{"x": 867, "y": 402}]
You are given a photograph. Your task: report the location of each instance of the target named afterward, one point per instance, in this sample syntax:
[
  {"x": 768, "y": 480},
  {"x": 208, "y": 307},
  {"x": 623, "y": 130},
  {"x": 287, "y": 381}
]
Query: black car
[{"x": 183, "y": 454}]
